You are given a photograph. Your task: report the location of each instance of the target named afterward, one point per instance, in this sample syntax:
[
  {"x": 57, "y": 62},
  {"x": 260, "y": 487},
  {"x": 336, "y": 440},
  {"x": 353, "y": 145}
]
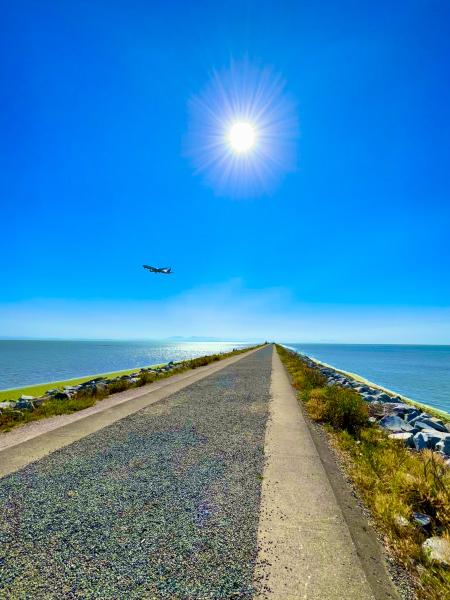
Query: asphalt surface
[{"x": 162, "y": 504}]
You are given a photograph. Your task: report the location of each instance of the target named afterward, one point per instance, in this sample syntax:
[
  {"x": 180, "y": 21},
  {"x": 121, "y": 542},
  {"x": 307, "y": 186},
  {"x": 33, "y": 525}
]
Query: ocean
[
  {"x": 421, "y": 373},
  {"x": 28, "y": 362}
]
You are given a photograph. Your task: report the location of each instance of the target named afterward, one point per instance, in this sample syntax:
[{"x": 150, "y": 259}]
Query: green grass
[
  {"x": 393, "y": 481},
  {"x": 10, "y": 418}
]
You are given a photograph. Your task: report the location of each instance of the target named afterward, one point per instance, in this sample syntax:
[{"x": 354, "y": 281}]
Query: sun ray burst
[{"x": 242, "y": 131}]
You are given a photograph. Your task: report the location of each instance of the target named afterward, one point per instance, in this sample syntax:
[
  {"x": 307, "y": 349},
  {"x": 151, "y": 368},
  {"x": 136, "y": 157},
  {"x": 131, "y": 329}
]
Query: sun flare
[
  {"x": 242, "y": 137},
  {"x": 242, "y": 131}
]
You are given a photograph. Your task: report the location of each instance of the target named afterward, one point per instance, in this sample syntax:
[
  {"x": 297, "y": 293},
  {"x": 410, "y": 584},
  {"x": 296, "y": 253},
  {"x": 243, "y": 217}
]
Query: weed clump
[{"x": 339, "y": 407}]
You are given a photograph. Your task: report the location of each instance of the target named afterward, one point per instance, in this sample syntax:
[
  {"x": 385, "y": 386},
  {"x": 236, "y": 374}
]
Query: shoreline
[
  {"x": 35, "y": 389},
  {"x": 362, "y": 379},
  {"x": 80, "y": 379}
]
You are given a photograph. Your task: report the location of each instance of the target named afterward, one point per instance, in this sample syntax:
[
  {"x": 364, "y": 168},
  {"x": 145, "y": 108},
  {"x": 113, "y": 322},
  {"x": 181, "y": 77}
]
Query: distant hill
[{"x": 199, "y": 338}]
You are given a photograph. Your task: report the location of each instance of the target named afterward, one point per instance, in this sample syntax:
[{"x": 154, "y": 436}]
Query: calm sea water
[
  {"x": 24, "y": 362},
  {"x": 421, "y": 373}
]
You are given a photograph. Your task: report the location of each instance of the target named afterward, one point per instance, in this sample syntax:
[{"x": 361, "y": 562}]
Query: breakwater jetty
[
  {"x": 404, "y": 421},
  {"x": 204, "y": 484}
]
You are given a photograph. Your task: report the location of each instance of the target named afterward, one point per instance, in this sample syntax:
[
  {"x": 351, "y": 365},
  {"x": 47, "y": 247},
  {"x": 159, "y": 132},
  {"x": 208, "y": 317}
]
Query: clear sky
[{"x": 353, "y": 244}]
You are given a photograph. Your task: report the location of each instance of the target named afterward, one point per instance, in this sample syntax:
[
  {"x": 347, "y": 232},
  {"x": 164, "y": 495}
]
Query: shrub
[
  {"x": 341, "y": 408},
  {"x": 118, "y": 386},
  {"x": 145, "y": 378},
  {"x": 316, "y": 403}
]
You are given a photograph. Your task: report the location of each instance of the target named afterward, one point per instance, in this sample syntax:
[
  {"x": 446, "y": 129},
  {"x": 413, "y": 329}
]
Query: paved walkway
[
  {"x": 198, "y": 495},
  {"x": 306, "y": 550}
]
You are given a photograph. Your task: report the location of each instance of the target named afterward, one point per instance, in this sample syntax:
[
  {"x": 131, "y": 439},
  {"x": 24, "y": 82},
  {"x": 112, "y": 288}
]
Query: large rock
[
  {"x": 27, "y": 398},
  {"x": 395, "y": 424},
  {"x": 428, "y": 438},
  {"x": 419, "y": 424},
  {"x": 368, "y": 397},
  {"x": 61, "y": 395},
  {"x": 7, "y": 404},
  {"x": 437, "y": 549},
  {"x": 444, "y": 445},
  {"x": 404, "y": 436},
  {"x": 411, "y": 415},
  {"x": 434, "y": 424},
  {"x": 420, "y": 441},
  {"x": 24, "y": 404}
]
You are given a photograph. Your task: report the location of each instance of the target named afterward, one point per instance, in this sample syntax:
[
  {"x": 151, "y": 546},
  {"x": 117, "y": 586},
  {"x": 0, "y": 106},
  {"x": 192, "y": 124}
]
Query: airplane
[{"x": 163, "y": 270}]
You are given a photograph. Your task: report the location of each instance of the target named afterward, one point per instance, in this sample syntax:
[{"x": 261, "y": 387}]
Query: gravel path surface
[{"x": 162, "y": 504}]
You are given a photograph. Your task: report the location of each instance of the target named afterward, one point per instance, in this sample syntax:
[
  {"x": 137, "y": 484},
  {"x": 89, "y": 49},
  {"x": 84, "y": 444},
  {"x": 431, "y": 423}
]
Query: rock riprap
[
  {"x": 404, "y": 422},
  {"x": 94, "y": 386}
]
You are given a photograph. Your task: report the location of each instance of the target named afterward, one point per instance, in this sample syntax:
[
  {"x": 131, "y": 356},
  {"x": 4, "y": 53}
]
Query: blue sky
[{"x": 351, "y": 245}]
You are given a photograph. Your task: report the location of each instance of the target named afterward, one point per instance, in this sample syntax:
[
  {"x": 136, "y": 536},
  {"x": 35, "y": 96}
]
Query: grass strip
[{"x": 393, "y": 481}]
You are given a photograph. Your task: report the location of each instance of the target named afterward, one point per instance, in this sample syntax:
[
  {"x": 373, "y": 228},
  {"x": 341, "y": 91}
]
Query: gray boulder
[
  {"x": 412, "y": 414},
  {"x": 395, "y": 424},
  {"x": 61, "y": 395},
  {"x": 362, "y": 389},
  {"x": 428, "y": 438},
  {"x": 420, "y": 441},
  {"x": 24, "y": 404},
  {"x": 404, "y": 436},
  {"x": 434, "y": 424},
  {"x": 8, "y": 404},
  {"x": 444, "y": 445},
  {"x": 419, "y": 424},
  {"x": 27, "y": 398},
  {"x": 437, "y": 549}
]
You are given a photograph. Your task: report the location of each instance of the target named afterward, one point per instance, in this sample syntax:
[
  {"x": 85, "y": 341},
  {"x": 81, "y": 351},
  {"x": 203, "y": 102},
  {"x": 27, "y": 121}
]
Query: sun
[
  {"x": 242, "y": 131},
  {"x": 242, "y": 137}
]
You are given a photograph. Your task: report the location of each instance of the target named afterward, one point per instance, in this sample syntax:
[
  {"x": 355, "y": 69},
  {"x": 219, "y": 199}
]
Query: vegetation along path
[{"x": 165, "y": 503}]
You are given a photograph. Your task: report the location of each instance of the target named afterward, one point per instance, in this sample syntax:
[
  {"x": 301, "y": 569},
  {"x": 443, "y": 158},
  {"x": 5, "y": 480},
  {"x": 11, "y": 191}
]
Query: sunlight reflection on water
[{"x": 27, "y": 362}]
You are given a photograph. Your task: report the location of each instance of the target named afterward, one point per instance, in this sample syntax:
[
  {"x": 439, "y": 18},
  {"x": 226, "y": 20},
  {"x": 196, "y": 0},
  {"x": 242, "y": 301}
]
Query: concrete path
[
  {"x": 306, "y": 550},
  {"x": 189, "y": 491}
]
